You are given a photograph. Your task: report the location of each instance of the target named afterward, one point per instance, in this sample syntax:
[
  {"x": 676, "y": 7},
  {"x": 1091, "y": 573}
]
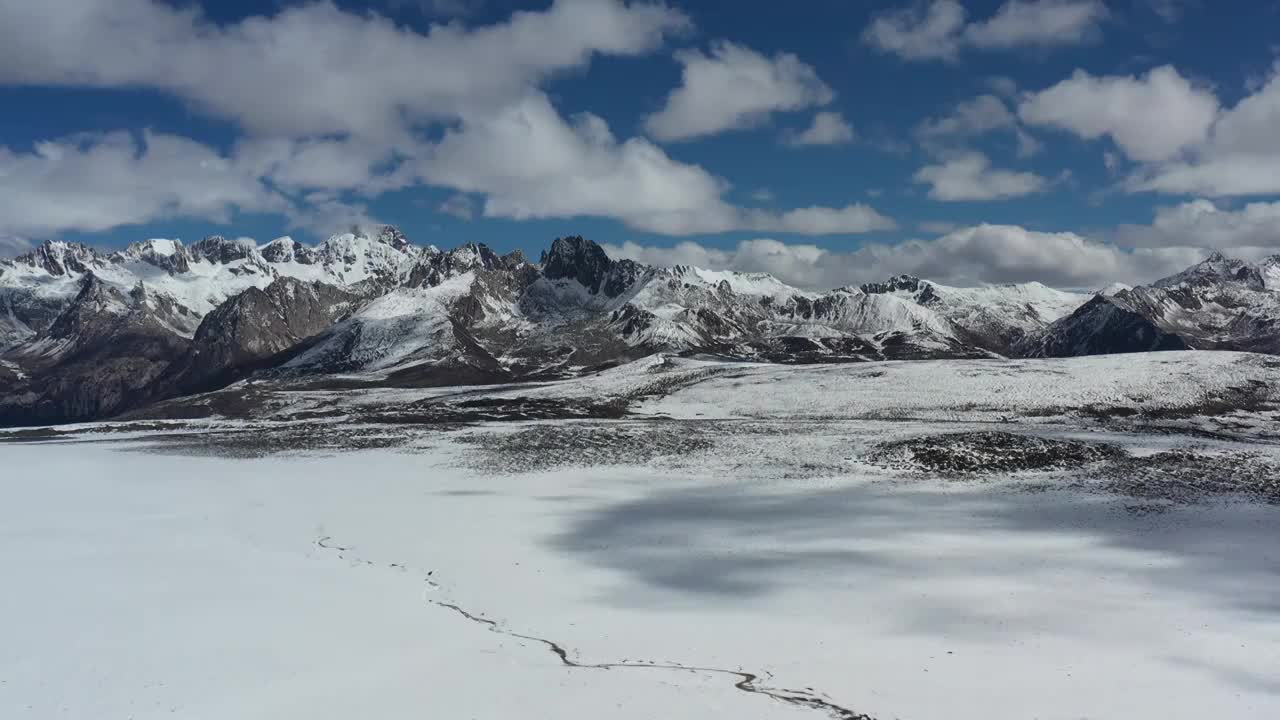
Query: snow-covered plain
[{"x": 147, "y": 578}]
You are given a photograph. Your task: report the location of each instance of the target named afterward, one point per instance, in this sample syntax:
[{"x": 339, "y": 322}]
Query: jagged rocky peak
[
  {"x": 168, "y": 255},
  {"x": 391, "y": 235},
  {"x": 95, "y": 300},
  {"x": 286, "y": 250},
  {"x": 576, "y": 258},
  {"x": 60, "y": 258},
  {"x": 1217, "y": 268},
  {"x": 218, "y": 249},
  {"x": 921, "y": 290},
  {"x": 1104, "y": 325}
]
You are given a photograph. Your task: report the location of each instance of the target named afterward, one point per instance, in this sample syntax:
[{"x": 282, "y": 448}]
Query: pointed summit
[
  {"x": 218, "y": 249},
  {"x": 576, "y": 258},
  {"x": 391, "y": 235},
  {"x": 1216, "y": 268}
]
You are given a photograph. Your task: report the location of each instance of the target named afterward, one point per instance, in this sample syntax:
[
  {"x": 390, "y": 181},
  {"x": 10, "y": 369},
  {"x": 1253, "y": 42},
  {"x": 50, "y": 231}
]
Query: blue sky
[{"x": 1078, "y": 141}]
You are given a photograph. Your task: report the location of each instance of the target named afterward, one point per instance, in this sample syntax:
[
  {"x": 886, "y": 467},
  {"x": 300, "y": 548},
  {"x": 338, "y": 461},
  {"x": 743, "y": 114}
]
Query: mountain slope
[
  {"x": 1103, "y": 326},
  {"x": 85, "y": 334},
  {"x": 1217, "y": 304},
  {"x": 101, "y": 355},
  {"x": 993, "y": 317}
]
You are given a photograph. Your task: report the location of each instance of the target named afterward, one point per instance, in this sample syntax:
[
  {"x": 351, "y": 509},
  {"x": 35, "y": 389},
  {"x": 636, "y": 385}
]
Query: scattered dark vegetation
[
  {"x": 987, "y": 452},
  {"x": 516, "y": 409},
  {"x": 1188, "y": 476},
  {"x": 1253, "y": 396},
  {"x": 543, "y": 447},
  {"x": 259, "y": 442}
]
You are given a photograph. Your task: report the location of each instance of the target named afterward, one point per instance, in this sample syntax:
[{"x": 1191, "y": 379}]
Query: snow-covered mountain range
[{"x": 86, "y": 334}]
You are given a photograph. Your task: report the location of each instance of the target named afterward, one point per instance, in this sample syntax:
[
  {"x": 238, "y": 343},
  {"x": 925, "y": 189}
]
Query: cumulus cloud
[
  {"x": 323, "y": 214},
  {"x": 459, "y": 206},
  {"x": 1169, "y": 10},
  {"x": 828, "y": 128},
  {"x": 969, "y": 176},
  {"x": 1203, "y": 223},
  {"x": 329, "y": 164},
  {"x": 1152, "y": 117},
  {"x": 314, "y": 69},
  {"x": 531, "y": 163},
  {"x": 1022, "y": 23},
  {"x": 331, "y": 100},
  {"x": 939, "y": 30},
  {"x": 972, "y": 118},
  {"x": 325, "y": 135},
  {"x": 1240, "y": 157},
  {"x": 1180, "y": 137},
  {"x": 851, "y": 219},
  {"x": 734, "y": 87},
  {"x": 920, "y": 32},
  {"x": 95, "y": 182},
  {"x": 13, "y": 245},
  {"x": 973, "y": 255}
]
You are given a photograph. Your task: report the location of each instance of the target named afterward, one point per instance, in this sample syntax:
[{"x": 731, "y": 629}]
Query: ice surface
[{"x": 145, "y": 581}]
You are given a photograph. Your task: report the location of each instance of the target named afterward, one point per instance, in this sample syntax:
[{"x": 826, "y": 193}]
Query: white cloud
[
  {"x": 323, "y": 214},
  {"x": 332, "y": 101},
  {"x": 1203, "y": 223},
  {"x": 1169, "y": 10},
  {"x": 13, "y": 245},
  {"x": 828, "y": 128},
  {"x": 1003, "y": 85},
  {"x": 1153, "y": 117},
  {"x": 314, "y": 69},
  {"x": 919, "y": 32},
  {"x": 937, "y": 30},
  {"x": 1023, "y": 23},
  {"x": 328, "y": 164},
  {"x": 734, "y": 87},
  {"x": 459, "y": 206},
  {"x": 530, "y": 163},
  {"x": 969, "y": 176},
  {"x": 972, "y": 117},
  {"x": 851, "y": 219},
  {"x": 95, "y": 182},
  {"x": 1240, "y": 157},
  {"x": 952, "y": 133},
  {"x": 1027, "y": 144},
  {"x": 974, "y": 255}
]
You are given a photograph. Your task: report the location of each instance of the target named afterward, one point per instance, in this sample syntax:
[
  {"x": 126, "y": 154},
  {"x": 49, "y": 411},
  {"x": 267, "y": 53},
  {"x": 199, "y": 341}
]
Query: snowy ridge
[
  {"x": 198, "y": 277},
  {"x": 373, "y": 303}
]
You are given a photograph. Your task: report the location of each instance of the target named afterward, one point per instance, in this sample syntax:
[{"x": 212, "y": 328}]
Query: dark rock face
[
  {"x": 217, "y": 249},
  {"x": 288, "y": 250},
  {"x": 100, "y": 356},
  {"x": 921, "y": 291},
  {"x": 60, "y": 258},
  {"x": 1101, "y": 327},
  {"x": 575, "y": 258},
  {"x": 1215, "y": 270},
  {"x": 254, "y": 328},
  {"x": 391, "y": 235},
  {"x": 175, "y": 262}
]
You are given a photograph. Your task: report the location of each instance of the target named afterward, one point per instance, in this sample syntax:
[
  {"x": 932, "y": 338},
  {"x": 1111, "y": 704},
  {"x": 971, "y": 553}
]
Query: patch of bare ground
[{"x": 987, "y": 452}]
